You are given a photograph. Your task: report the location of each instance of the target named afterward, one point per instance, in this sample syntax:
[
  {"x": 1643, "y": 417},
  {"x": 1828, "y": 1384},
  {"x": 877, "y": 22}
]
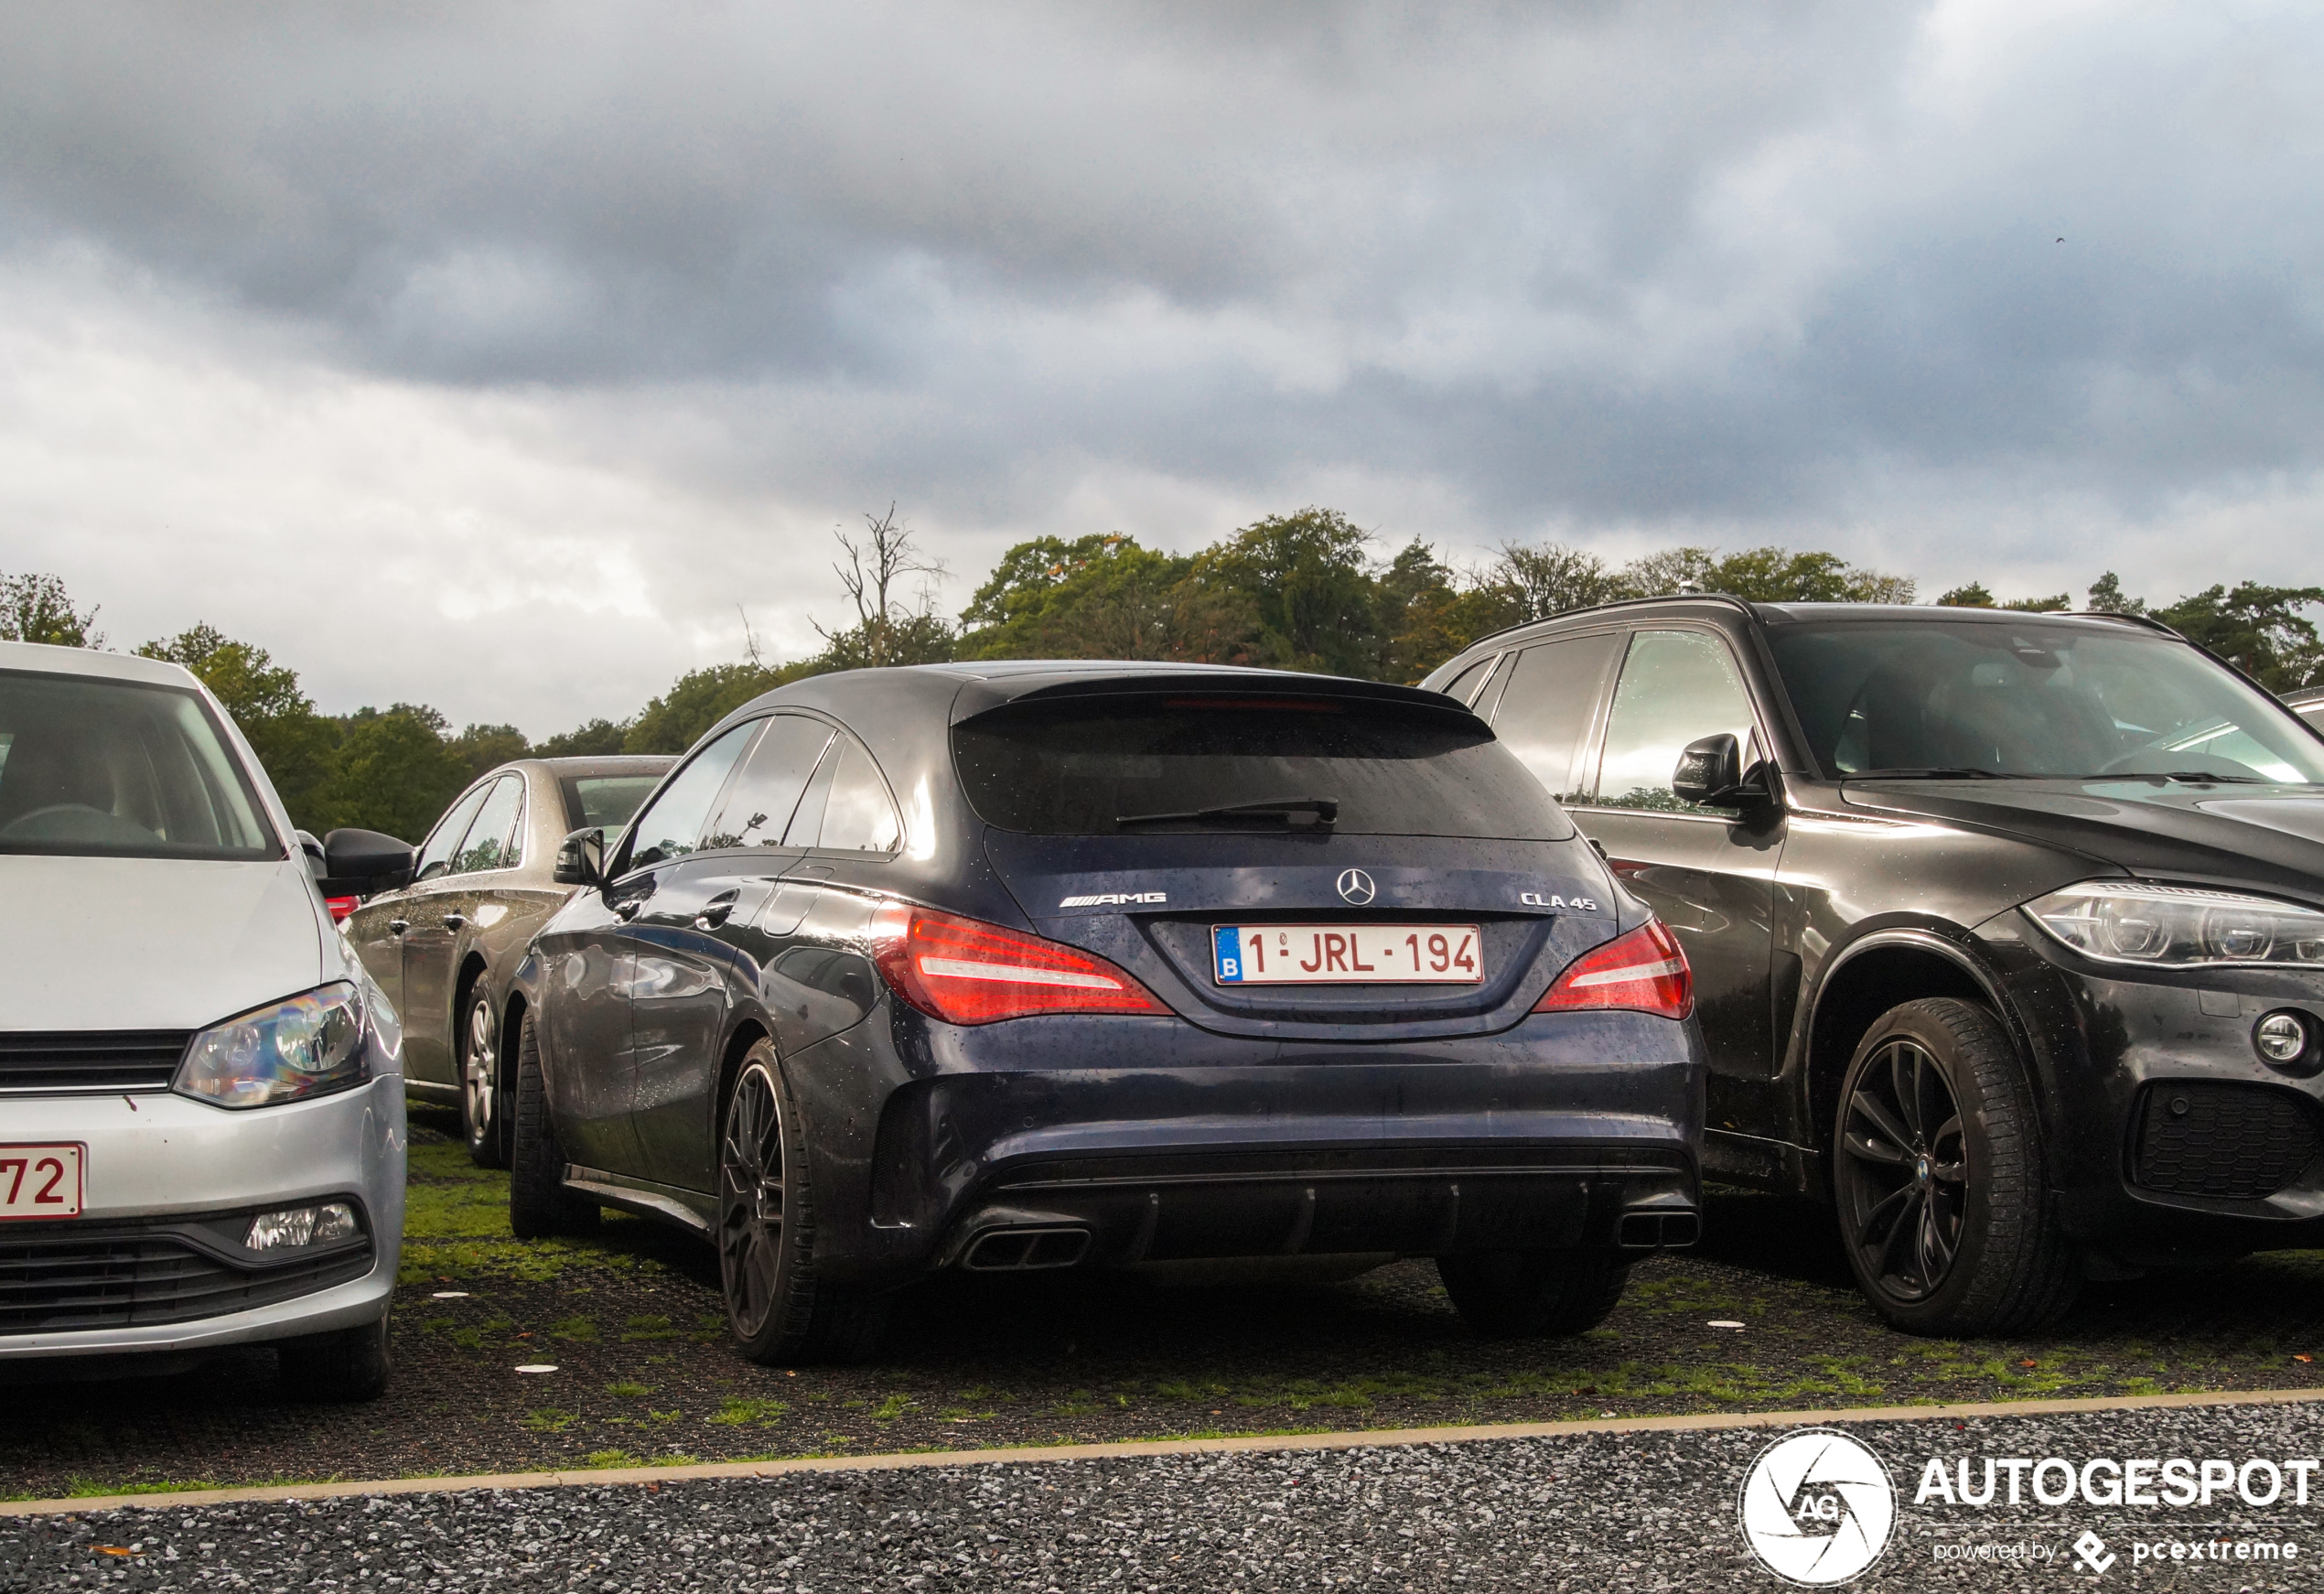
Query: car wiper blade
[
  {"x": 1932, "y": 775},
  {"x": 1324, "y": 809},
  {"x": 2202, "y": 778}
]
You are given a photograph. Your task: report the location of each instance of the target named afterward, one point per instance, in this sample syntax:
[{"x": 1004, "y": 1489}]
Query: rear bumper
[{"x": 1542, "y": 1136}]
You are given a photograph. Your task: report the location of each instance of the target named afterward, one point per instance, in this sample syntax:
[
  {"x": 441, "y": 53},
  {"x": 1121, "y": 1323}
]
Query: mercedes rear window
[{"x": 1139, "y": 765}]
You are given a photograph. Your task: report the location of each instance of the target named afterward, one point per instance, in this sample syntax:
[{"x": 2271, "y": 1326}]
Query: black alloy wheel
[
  {"x": 1905, "y": 1169},
  {"x": 1948, "y": 1221},
  {"x": 484, "y": 1100},
  {"x": 778, "y": 1309}
]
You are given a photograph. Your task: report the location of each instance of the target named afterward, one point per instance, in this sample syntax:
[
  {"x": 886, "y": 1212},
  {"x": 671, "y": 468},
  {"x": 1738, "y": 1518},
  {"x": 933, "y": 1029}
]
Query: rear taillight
[
  {"x": 965, "y": 972},
  {"x": 342, "y": 907},
  {"x": 1643, "y": 972}
]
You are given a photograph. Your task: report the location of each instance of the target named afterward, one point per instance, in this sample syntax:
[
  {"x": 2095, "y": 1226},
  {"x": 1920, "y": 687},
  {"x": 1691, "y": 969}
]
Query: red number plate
[{"x": 41, "y": 1182}]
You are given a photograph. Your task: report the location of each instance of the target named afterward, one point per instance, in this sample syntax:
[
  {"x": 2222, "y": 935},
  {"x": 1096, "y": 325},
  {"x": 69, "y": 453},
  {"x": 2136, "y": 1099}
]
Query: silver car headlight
[
  {"x": 308, "y": 1046},
  {"x": 2132, "y": 922}
]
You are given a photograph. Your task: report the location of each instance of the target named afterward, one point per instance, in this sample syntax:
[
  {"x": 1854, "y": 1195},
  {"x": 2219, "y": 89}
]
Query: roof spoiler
[{"x": 988, "y": 694}]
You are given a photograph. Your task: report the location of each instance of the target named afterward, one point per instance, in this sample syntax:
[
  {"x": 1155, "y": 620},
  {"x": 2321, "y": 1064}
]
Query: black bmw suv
[
  {"x": 2008, "y": 929},
  {"x": 1050, "y": 966}
]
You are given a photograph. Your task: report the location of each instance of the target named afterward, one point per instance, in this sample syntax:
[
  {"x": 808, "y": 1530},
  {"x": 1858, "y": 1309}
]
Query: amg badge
[{"x": 1114, "y": 899}]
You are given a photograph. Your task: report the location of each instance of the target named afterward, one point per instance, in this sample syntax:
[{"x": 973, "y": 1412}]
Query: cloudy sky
[{"x": 505, "y": 356}]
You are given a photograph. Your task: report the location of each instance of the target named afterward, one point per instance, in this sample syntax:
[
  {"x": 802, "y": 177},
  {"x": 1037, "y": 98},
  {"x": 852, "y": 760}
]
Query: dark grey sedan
[{"x": 442, "y": 946}]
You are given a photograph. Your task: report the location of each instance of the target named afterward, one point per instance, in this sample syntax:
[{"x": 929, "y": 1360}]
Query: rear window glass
[
  {"x": 99, "y": 768},
  {"x": 605, "y": 802},
  {"x": 1085, "y": 769}
]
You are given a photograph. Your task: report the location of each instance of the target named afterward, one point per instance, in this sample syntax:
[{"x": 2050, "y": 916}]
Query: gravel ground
[
  {"x": 1600, "y": 1513},
  {"x": 646, "y": 1375}
]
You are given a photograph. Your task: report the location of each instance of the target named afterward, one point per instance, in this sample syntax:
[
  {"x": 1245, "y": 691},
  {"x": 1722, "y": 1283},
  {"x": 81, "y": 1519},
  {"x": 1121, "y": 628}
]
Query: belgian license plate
[
  {"x": 1346, "y": 954},
  {"x": 40, "y": 1181}
]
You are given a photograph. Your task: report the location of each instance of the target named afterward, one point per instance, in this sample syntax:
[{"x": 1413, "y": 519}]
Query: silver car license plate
[{"x": 41, "y": 1180}]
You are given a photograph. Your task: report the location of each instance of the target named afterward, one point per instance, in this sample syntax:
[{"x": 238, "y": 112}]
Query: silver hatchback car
[{"x": 201, "y": 1093}]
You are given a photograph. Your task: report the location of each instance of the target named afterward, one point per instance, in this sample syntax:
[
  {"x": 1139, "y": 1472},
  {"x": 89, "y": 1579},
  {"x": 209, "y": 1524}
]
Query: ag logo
[
  {"x": 1356, "y": 887},
  {"x": 1817, "y": 1507}
]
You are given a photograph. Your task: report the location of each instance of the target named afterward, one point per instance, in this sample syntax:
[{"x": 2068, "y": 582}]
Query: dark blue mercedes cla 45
[{"x": 1053, "y": 966}]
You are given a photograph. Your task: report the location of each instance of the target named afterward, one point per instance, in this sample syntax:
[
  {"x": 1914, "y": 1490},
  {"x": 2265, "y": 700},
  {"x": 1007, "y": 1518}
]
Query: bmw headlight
[
  {"x": 308, "y": 1046},
  {"x": 2131, "y": 921}
]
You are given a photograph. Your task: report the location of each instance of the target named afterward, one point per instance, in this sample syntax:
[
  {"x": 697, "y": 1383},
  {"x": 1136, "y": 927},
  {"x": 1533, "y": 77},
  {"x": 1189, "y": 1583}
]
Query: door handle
[
  {"x": 716, "y": 910},
  {"x": 626, "y": 910},
  {"x": 398, "y": 926},
  {"x": 454, "y": 920}
]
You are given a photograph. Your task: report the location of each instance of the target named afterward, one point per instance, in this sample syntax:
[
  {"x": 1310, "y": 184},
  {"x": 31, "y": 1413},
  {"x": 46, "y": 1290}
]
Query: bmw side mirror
[
  {"x": 581, "y": 859},
  {"x": 1710, "y": 771},
  {"x": 357, "y": 863}
]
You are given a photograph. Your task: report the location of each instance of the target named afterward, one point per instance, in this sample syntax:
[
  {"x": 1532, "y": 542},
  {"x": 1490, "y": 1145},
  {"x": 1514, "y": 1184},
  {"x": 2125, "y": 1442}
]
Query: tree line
[{"x": 1303, "y": 591}]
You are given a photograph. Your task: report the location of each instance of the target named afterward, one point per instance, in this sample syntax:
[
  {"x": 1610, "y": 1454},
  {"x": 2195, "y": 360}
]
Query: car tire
[
  {"x": 1938, "y": 1171},
  {"x": 350, "y": 1364},
  {"x": 539, "y": 1204},
  {"x": 777, "y": 1306},
  {"x": 1506, "y": 1295},
  {"x": 484, "y": 1094}
]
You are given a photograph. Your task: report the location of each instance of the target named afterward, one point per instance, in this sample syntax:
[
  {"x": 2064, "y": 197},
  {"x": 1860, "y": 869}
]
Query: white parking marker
[
  {"x": 449, "y": 1294},
  {"x": 1723, "y": 1323},
  {"x": 538, "y": 1367}
]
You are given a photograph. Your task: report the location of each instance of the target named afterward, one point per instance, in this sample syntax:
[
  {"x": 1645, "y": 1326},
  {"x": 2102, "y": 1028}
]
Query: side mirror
[
  {"x": 358, "y": 862},
  {"x": 581, "y": 859},
  {"x": 1711, "y": 771}
]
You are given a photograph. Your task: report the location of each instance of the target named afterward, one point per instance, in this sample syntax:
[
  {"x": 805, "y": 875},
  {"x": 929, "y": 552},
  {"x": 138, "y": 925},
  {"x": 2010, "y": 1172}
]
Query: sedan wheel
[
  {"x": 779, "y": 1310},
  {"x": 1939, "y": 1170},
  {"x": 481, "y": 1102},
  {"x": 751, "y": 1204}
]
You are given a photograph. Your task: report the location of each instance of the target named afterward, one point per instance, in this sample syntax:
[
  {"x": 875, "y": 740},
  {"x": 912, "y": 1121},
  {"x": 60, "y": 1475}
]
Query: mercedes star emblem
[{"x": 1356, "y": 887}]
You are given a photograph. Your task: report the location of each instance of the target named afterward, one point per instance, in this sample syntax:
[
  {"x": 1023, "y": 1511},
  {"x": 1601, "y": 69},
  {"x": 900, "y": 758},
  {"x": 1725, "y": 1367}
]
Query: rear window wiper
[
  {"x": 1931, "y": 775},
  {"x": 1322, "y": 811},
  {"x": 2194, "y": 778}
]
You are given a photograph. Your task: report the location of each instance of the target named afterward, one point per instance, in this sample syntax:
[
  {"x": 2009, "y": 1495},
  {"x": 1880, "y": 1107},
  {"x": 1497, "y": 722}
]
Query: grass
[{"x": 741, "y": 1411}]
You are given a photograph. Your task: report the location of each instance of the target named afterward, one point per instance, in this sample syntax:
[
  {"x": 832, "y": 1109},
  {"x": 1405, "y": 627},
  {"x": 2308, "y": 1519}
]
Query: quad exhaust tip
[
  {"x": 1026, "y": 1250},
  {"x": 1653, "y": 1231}
]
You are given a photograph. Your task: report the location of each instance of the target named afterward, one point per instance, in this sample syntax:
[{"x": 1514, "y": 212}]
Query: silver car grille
[{"x": 90, "y": 1062}]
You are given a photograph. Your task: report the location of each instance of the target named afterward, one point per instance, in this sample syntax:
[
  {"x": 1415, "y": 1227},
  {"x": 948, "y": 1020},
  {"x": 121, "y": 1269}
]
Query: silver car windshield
[
  {"x": 2032, "y": 700},
  {"x": 119, "y": 769}
]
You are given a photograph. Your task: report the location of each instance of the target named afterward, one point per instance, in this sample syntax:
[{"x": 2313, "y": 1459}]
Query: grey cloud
[{"x": 1617, "y": 263}]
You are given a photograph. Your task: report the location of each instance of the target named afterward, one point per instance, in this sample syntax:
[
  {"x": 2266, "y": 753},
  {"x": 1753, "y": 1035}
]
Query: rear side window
[
  {"x": 491, "y": 835},
  {"x": 765, "y": 795},
  {"x": 1084, "y": 768},
  {"x": 604, "y": 802},
  {"x": 1546, "y": 712},
  {"x": 121, "y": 769},
  {"x": 847, "y": 807}
]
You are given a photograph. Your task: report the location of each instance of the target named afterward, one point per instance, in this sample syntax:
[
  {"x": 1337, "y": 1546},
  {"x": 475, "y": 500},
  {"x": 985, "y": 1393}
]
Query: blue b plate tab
[{"x": 1226, "y": 952}]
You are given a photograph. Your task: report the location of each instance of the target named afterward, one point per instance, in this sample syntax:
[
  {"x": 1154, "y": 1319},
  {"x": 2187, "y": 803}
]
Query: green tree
[
  {"x": 595, "y": 739},
  {"x": 1099, "y": 596},
  {"x": 392, "y": 772},
  {"x": 38, "y": 608},
  {"x": 699, "y": 699},
  {"x": 481, "y": 746},
  {"x": 1310, "y": 582},
  {"x": 295, "y": 744},
  {"x": 1774, "y": 574},
  {"x": 2258, "y": 629},
  {"x": 1972, "y": 596},
  {"x": 2106, "y": 596},
  {"x": 886, "y": 630}
]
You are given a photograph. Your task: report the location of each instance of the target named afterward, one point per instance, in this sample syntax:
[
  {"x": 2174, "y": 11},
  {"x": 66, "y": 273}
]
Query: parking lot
[{"x": 644, "y": 1375}]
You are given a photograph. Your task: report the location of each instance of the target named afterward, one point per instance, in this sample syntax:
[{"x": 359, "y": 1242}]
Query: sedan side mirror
[
  {"x": 358, "y": 862},
  {"x": 1710, "y": 771},
  {"x": 581, "y": 859}
]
